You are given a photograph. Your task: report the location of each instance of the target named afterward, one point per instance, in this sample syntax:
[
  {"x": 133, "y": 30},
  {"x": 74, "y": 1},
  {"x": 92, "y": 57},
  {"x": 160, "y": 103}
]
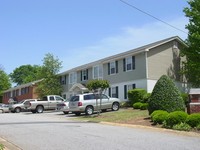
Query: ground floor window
[{"x": 127, "y": 88}]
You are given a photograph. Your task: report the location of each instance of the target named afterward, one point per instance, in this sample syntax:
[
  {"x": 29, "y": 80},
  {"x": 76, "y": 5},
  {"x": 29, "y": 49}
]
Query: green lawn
[{"x": 123, "y": 115}]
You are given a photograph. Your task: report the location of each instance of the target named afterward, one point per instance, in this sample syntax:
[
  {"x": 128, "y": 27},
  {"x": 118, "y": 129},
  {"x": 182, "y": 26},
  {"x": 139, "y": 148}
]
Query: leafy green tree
[
  {"x": 192, "y": 52},
  {"x": 98, "y": 86},
  {"x": 25, "y": 74},
  {"x": 165, "y": 96},
  {"x": 50, "y": 83},
  {"x": 5, "y": 82}
]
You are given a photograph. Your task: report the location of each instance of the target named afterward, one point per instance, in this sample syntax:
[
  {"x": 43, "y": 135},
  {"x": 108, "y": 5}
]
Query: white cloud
[{"x": 129, "y": 38}]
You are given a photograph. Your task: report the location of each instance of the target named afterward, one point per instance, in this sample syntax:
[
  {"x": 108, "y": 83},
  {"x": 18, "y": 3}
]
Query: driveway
[{"x": 55, "y": 131}]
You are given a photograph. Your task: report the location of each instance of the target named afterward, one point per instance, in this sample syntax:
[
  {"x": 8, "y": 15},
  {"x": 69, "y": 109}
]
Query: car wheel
[
  {"x": 65, "y": 112},
  {"x": 39, "y": 109},
  {"x": 17, "y": 110},
  {"x": 77, "y": 113},
  {"x": 89, "y": 110},
  {"x": 115, "y": 106}
]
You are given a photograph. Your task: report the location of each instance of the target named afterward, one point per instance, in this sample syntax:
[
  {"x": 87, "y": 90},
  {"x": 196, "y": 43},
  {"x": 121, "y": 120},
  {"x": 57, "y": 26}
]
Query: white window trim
[
  {"x": 99, "y": 76},
  {"x": 84, "y": 71},
  {"x": 130, "y": 57},
  {"x": 72, "y": 78},
  {"x": 113, "y": 67}
]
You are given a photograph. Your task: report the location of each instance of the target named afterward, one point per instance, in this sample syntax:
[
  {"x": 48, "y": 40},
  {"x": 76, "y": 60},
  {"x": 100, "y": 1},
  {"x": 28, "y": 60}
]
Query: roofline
[
  {"x": 125, "y": 54},
  {"x": 23, "y": 85}
]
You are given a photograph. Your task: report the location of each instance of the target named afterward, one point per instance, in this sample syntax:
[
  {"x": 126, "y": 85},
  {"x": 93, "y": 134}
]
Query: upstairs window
[
  {"x": 72, "y": 78},
  {"x": 113, "y": 67},
  {"x": 98, "y": 72},
  {"x": 129, "y": 63},
  {"x": 84, "y": 75}
]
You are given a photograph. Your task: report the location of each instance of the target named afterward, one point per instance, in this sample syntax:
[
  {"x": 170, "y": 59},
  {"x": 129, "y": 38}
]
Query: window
[
  {"x": 113, "y": 67},
  {"x": 74, "y": 98},
  {"x": 98, "y": 72},
  {"x": 51, "y": 98},
  {"x": 113, "y": 92},
  {"x": 89, "y": 97},
  {"x": 129, "y": 63},
  {"x": 127, "y": 88},
  {"x": 63, "y": 80},
  {"x": 72, "y": 78},
  {"x": 84, "y": 75}
]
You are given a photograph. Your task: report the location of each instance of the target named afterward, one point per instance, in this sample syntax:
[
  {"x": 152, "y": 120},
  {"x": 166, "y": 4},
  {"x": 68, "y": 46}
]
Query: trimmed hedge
[
  {"x": 137, "y": 105},
  {"x": 193, "y": 120},
  {"x": 176, "y": 117},
  {"x": 159, "y": 116},
  {"x": 166, "y": 96},
  {"x": 136, "y": 95}
]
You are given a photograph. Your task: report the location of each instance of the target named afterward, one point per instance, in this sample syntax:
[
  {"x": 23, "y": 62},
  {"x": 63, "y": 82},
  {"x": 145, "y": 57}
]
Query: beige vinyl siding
[
  {"x": 164, "y": 60},
  {"x": 138, "y": 73}
]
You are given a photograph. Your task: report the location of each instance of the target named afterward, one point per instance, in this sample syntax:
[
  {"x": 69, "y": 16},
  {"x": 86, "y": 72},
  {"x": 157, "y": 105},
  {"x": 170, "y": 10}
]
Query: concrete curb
[
  {"x": 8, "y": 145},
  {"x": 183, "y": 133}
]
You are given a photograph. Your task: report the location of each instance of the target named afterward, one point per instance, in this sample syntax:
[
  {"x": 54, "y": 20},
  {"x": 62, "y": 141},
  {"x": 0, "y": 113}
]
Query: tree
[
  {"x": 25, "y": 74},
  {"x": 98, "y": 86},
  {"x": 192, "y": 52},
  {"x": 50, "y": 83},
  {"x": 165, "y": 96},
  {"x": 4, "y": 82}
]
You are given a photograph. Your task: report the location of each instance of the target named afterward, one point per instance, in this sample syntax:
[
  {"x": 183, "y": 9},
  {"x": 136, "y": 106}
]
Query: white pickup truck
[{"x": 46, "y": 103}]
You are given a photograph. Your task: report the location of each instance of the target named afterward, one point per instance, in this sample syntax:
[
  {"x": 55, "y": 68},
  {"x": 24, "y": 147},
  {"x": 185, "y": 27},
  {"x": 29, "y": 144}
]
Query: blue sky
[{"x": 82, "y": 31}]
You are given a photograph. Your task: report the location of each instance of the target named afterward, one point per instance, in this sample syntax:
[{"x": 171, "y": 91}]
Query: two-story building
[{"x": 136, "y": 68}]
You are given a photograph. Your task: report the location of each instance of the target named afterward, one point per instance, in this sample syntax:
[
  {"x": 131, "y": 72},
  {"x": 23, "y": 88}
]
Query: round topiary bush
[
  {"x": 144, "y": 106},
  {"x": 159, "y": 116},
  {"x": 193, "y": 120},
  {"x": 137, "y": 105},
  {"x": 176, "y": 117},
  {"x": 166, "y": 96}
]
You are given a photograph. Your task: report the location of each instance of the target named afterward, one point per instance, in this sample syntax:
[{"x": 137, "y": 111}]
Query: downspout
[{"x": 146, "y": 66}]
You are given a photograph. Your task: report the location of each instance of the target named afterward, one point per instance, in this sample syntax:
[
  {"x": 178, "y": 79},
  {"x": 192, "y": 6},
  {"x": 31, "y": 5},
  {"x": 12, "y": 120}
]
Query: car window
[
  {"x": 51, "y": 98},
  {"x": 58, "y": 98},
  {"x": 74, "y": 98},
  {"x": 89, "y": 97},
  {"x": 104, "y": 96}
]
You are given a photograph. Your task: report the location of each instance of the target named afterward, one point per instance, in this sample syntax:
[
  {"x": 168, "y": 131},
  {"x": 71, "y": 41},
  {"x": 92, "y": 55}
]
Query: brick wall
[{"x": 193, "y": 108}]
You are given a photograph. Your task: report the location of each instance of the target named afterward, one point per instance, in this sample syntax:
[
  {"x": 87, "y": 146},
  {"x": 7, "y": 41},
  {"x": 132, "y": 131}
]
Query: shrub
[
  {"x": 144, "y": 106},
  {"x": 185, "y": 98},
  {"x": 165, "y": 96},
  {"x": 146, "y": 97},
  {"x": 198, "y": 127},
  {"x": 176, "y": 117},
  {"x": 159, "y": 116},
  {"x": 182, "y": 127},
  {"x": 136, "y": 95},
  {"x": 137, "y": 105},
  {"x": 193, "y": 120}
]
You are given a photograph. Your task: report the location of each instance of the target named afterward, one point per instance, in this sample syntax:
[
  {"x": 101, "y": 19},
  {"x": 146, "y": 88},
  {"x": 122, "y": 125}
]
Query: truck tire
[{"x": 39, "y": 109}]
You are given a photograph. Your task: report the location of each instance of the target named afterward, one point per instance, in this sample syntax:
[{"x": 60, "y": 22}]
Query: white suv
[{"x": 86, "y": 103}]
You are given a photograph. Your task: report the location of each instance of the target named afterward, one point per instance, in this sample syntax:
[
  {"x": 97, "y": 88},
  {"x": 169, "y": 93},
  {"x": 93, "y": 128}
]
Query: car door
[
  {"x": 52, "y": 102},
  {"x": 105, "y": 101}
]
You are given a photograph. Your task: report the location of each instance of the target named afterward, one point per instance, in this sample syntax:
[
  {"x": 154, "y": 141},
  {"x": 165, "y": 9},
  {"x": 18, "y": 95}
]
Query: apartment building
[
  {"x": 136, "y": 68},
  {"x": 18, "y": 93}
]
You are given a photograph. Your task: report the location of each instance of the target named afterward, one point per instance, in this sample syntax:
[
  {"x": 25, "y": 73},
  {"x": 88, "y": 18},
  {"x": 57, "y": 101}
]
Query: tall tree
[
  {"x": 50, "y": 84},
  {"x": 4, "y": 82},
  {"x": 192, "y": 52},
  {"x": 25, "y": 74}
]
